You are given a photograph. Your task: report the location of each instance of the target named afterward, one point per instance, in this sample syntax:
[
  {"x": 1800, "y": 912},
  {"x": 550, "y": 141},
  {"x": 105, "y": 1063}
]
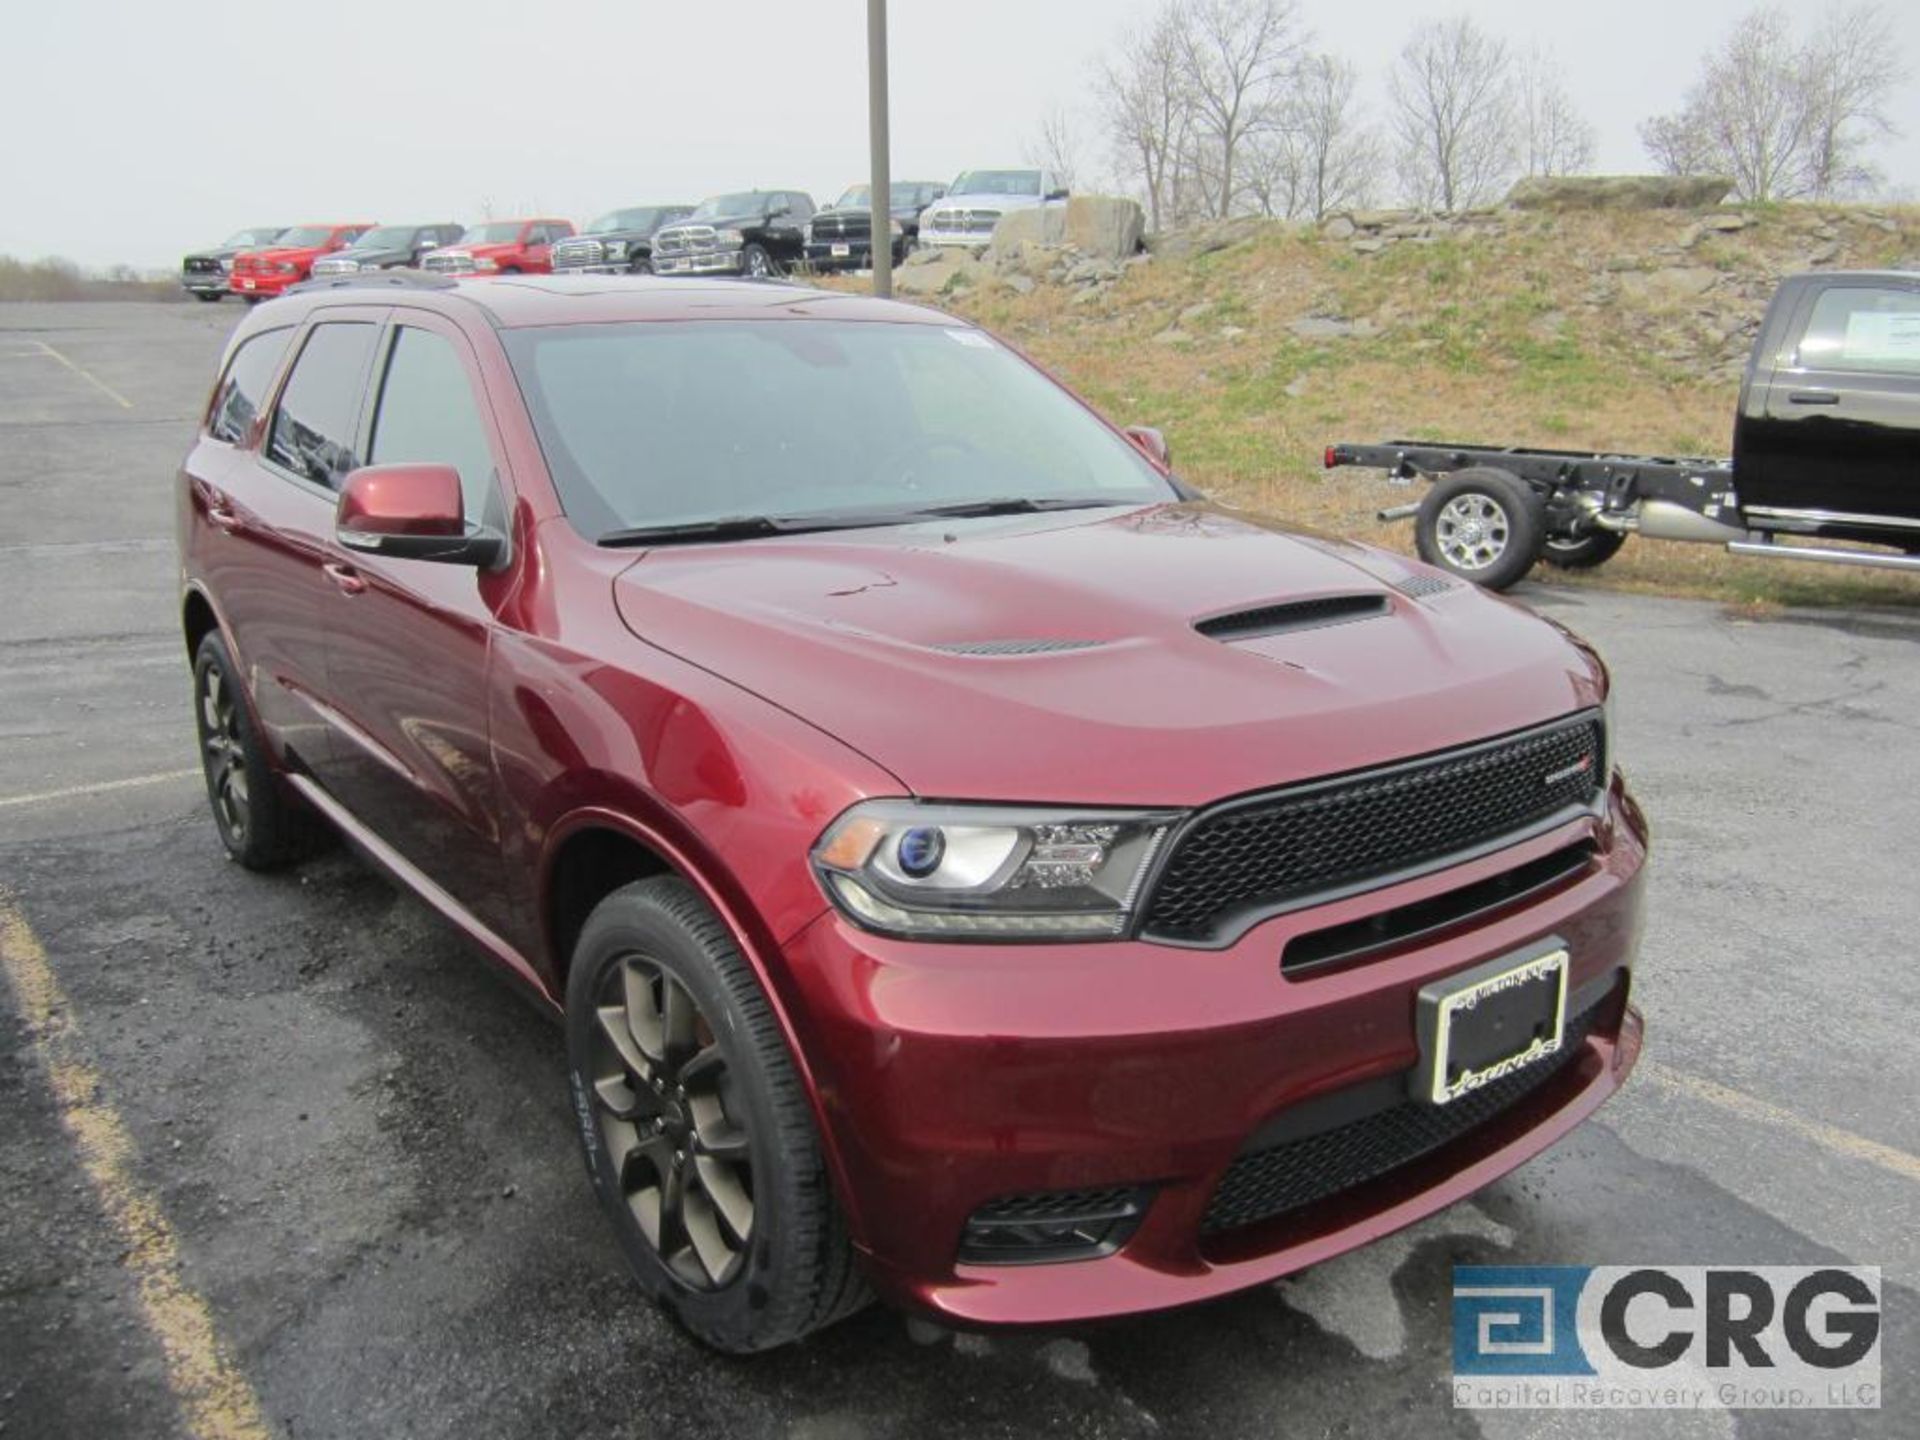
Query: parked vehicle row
[{"x": 756, "y": 233}]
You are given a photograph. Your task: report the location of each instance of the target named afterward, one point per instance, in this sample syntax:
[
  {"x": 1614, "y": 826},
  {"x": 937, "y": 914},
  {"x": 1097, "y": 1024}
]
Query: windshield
[
  {"x": 996, "y": 182},
  {"x": 644, "y": 219},
  {"x": 657, "y": 424},
  {"x": 305, "y": 237},
  {"x": 857, "y": 197},
  {"x": 498, "y": 232},
  {"x": 719, "y": 207},
  {"x": 387, "y": 237},
  {"x": 243, "y": 239}
]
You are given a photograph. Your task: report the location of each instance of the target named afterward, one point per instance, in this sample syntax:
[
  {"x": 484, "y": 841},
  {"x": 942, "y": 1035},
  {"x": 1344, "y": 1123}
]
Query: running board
[{"x": 1866, "y": 559}]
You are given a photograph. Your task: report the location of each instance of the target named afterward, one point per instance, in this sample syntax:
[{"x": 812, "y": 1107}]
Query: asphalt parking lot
[{"x": 316, "y": 1174}]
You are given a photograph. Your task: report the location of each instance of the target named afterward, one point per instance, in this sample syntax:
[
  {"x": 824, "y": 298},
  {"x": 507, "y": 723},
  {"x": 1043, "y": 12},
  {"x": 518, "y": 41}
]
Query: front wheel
[
  {"x": 1582, "y": 552},
  {"x": 756, "y": 264},
  {"x": 698, "y": 1134},
  {"x": 211, "y": 296},
  {"x": 1481, "y": 524}
]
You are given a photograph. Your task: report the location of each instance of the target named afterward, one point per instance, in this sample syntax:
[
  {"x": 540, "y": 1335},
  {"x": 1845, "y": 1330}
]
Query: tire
[
  {"x": 757, "y": 264},
  {"x": 705, "y": 1140},
  {"x": 1482, "y": 525},
  {"x": 253, "y": 299},
  {"x": 1582, "y": 552},
  {"x": 261, "y": 825},
  {"x": 213, "y": 297}
]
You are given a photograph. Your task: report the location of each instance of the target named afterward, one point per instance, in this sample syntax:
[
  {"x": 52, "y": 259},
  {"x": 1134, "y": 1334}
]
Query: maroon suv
[{"x": 969, "y": 865}]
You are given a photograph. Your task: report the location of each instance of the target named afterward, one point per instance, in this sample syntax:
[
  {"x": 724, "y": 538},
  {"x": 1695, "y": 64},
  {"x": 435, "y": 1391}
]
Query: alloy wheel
[
  {"x": 664, "y": 1100},
  {"x": 222, "y": 752},
  {"x": 1472, "y": 530}
]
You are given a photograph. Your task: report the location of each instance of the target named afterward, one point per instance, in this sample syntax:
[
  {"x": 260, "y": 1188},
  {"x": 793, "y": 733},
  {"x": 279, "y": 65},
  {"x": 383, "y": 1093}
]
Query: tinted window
[
  {"x": 651, "y": 424},
  {"x": 428, "y": 413},
  {"x": 236, "y": 404},
  {"x": 314, "y": 426},
  {"x": 1863, "y": 327}
]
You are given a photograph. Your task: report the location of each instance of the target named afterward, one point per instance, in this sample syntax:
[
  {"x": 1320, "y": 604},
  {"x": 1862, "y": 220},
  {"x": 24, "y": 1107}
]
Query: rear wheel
[
  {"x": 698, "y": 1135},
  {"x": 1481, "y": 524},
  {"x": 1582, "y": 552},
  {"x": 259, "y": 823}
]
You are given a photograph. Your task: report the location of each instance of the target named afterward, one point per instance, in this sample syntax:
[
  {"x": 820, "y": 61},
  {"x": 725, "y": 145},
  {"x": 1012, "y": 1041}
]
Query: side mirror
[
  {"x": 774, "y": 212},
  {"x": 429, "y": 243},
  {"x": 1061, "y": 194},
  {"x": 412, "y": 512},
  {"x": 1151, "y": 443}
]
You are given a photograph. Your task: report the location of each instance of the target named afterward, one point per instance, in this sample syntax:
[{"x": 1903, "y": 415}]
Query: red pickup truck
[
  {"x": 259, "y": 274},
  {"x": 502, "y": 247}
]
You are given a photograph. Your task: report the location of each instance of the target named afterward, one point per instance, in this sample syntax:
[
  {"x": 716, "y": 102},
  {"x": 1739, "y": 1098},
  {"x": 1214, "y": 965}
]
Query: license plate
[
  {"x": 246, "y": 284},
  {"x": 1485, "y": 1023},
  {"x": 841, "y": 252}
]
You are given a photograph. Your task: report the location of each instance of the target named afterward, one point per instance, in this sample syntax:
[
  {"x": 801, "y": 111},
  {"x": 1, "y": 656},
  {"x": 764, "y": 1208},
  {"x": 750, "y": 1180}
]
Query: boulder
[
  {"x": 1205, "y": 239},
  {"x": 1104, "y": 227},
  {"x": 948, "y": 271},
  {"x": 1338, "y": 228},
  {"x": 1618, "y": 192},
  {"x": 1673, "y": 286}
]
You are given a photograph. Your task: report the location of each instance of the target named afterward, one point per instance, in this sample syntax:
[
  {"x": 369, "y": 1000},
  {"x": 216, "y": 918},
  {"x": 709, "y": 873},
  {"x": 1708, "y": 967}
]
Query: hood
[
  {"x": 724, "y": 222},
  {"x": 1056, "y": 659},
  {"x": 986, "y": 202},
  {"x": 497, "y": 247},
  {"x": 374, "y": 257},
  {"x": 296, "y": 252}
]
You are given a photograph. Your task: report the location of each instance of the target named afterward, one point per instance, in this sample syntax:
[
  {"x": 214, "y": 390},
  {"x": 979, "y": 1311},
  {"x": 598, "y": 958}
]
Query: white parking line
[
  {"x": 1749, "y": 1107},
  {"x": 102, "y": 787},
  {"x": 87, "y": 375}
]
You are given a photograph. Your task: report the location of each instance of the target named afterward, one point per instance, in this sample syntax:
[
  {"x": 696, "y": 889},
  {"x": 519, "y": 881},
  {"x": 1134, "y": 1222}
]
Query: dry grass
[{"x": 1516, "y": 339}]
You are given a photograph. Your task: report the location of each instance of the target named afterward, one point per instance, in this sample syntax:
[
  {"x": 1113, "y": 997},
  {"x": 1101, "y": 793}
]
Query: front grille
[
  {"x": 685, "y": 240},
  {"x": 203, "y": 265},
  {"x": 447, "y": 262},
  {"x": 1278, "y": 850},
  {"x": 963, "y": 222},
  {"x": 1265, "y": 1184},
  {"x": 842, "y": 227},
  {"x": 577, "y": 252}
]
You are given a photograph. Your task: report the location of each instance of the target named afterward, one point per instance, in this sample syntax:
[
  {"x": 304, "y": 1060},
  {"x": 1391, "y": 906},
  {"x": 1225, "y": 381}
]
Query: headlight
[
  {"x": 226, "y": 267},
  {"x": 287, "y": 267},
  {"x": 730, "y": 237},
  {"x": 806, "y": 233},
  {"x": 984, "y": 872},
  {"x": 481, "y": 262},
  {"x": 895, "y": 229},
  {"x": 616, "y": 250}
]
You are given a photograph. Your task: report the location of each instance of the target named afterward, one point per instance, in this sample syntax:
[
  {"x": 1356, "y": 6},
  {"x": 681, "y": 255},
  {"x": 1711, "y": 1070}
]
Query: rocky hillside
[{"x": 1600, "y": 325}]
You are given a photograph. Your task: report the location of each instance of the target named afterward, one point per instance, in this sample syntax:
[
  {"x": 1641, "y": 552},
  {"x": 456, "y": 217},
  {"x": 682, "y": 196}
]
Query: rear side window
[
  {"x": 314, "y": 428},
  {"x": 236, "y": 404},
  {"x": 1863, "y": 327},
  {"x": 428, "y": 413}
]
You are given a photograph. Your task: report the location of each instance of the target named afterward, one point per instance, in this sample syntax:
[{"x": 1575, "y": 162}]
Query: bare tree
[
  {"x": 1555, "y": 138},
  {"x": 1850, "y": 67},
  {"x": 1147, "y": 112},
  {"x": 1053, "y": 148},
  {"x": 1786, "y": 120},
  {"x": 1238, "y": 57},
  {"x": 1453, "y": 114},
  {"x": 1317, "y": 155}
]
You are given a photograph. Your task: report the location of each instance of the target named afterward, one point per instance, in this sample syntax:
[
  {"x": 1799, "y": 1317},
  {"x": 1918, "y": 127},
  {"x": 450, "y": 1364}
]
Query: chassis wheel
[
  {"x": 261, "y": 826},
  {"x": 756, "y": 264},
  {"x": 1481, "y": 524},
  {"x": 698, "y": 1135},
  {"x": 1582, "y": 552},
  {"x": 208, "y": 295}
]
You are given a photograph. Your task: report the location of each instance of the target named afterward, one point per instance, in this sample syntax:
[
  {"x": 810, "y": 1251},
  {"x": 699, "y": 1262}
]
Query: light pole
[{"x": 880, "y": 184}]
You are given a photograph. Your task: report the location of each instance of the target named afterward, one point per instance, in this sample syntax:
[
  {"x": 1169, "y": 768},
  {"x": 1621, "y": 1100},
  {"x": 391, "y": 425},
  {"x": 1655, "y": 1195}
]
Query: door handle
[
  {"x": 350, "y": 580},
  {"x": 220, "y": 514},
  {"x": 1812, "y": 397}
]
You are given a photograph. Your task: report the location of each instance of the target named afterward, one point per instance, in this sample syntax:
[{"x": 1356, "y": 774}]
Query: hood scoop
[
  {"x": 996, "y": 648},
  {"x": 1292, "y": 615}
]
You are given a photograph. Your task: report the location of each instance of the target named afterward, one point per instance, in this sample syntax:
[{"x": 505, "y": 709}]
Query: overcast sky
[{"x": 135, "y": 130}]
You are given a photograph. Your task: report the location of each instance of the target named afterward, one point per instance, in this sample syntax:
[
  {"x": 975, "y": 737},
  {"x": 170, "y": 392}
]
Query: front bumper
[
  {"x": 603, "y": 268},
  {"x": 971, "y": 239},
  {"x": 950, "y": 1076},
  {"x": 259, "y": 285},
  {"x": 204, "y": 282},
  {"x": 706, "y": 262}
]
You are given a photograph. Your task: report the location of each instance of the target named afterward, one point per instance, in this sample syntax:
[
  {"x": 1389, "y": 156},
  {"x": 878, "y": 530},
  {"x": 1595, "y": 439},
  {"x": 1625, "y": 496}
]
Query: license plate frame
[
  {"x": 1471, "y": 1023},
  {"x": 841, "y": 250}
]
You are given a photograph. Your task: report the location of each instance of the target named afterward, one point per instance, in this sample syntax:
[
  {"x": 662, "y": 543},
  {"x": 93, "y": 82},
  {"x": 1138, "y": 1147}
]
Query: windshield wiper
[
  {"x": 1016, "y": 505},
  {"x": 741, "y": 527}
]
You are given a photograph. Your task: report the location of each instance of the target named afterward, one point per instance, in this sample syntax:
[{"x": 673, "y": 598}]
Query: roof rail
[{"x": 376, "y": 280}]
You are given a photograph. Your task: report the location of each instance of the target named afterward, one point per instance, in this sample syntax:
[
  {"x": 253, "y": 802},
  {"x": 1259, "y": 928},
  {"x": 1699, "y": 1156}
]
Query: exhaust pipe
[
  {"x": 1664, "y": 520},
  {"x": 1397, "y": 512}
]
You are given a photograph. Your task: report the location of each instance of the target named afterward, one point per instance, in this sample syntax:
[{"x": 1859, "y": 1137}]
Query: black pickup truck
[
  {"x": 1826, "y": 444},
  {"x": 757, "y": 233}
]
